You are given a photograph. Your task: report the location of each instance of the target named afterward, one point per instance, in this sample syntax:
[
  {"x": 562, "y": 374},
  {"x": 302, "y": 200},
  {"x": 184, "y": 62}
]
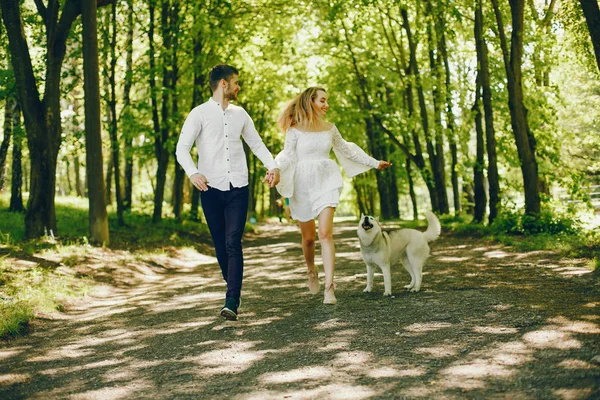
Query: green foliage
[
  {"x": 550, "y": 221},
  {"x": 26, "y": 293}
]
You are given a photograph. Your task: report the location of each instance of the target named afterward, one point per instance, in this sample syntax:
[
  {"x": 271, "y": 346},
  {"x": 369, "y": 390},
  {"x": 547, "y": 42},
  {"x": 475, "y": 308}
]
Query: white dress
[{"x": 309, "y": 178}]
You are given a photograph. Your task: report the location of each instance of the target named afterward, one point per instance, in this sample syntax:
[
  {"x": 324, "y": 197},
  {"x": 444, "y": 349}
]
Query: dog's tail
[{"x": 434, "y": 228}]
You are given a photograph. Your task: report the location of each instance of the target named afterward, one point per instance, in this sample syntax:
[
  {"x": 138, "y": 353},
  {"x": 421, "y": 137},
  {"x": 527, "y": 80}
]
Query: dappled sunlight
[
  {"x": 551, "y": 339},
  {"x": 495, "y": 330},
  {"x": 496, "y": 254},
  {"x": 11, "y": 379},
  {"x": 439, "y": 351},
  {"x": 121, "y": 392},
  {"x": 572, "y": 394},
  {"x": 341, "y": 391},
  {"x": 237, "y": 357},
  {"x": 482, "y": 326},
  {"x": 427, "y": 327},
  {"x": 297, "y": 375},
  {"x": 186, "y": 301},
  {"x": 575, "y": 364},
  {"x": 498, "y": 362}
]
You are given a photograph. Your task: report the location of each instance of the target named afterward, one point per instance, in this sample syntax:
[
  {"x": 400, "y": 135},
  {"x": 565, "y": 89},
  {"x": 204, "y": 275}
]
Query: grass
[{"x": 27, "y": 292}]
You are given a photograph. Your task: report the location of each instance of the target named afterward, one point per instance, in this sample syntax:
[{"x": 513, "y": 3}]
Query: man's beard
[{"x": 230, "y": 95}]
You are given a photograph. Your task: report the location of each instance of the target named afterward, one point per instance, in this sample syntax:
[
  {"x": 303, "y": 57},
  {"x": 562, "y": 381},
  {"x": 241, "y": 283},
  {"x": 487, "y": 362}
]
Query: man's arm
[{"x": 190, "y": 131}]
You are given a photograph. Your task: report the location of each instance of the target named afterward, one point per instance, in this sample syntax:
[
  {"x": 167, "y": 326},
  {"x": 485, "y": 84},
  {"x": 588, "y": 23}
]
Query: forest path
[{"x": 489, "y": 322}]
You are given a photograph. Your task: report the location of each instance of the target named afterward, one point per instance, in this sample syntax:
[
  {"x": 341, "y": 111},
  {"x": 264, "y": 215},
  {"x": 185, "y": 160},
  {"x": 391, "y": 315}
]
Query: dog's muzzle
[{"x": 366, "y": 225}]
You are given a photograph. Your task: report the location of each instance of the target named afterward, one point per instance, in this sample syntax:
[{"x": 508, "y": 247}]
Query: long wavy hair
[{"x": 299, "y": 111}]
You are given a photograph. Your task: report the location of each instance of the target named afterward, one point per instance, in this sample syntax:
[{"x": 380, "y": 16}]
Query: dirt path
[{"x": 488, "y": 323}]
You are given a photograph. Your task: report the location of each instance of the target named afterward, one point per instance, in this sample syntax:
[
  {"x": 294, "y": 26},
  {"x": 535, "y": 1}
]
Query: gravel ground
[{"x": 489, "y": 323}]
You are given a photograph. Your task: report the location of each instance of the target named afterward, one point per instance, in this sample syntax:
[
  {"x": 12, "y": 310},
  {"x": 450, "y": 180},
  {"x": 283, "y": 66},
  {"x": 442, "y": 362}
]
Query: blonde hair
[{"x": 299, "y": 111}]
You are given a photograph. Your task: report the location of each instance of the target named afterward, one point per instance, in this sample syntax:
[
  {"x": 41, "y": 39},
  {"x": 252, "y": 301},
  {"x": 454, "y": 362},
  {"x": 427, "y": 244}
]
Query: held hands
[
  {"x": 383, "y": 165},
  {"x": 200, "y": 182},
  {"x": 272, "y": 177}
]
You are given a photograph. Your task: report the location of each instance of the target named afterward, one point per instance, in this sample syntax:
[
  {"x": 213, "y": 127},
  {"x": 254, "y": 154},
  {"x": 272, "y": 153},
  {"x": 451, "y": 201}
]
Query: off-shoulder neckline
[{"x": 323, "y": 131}]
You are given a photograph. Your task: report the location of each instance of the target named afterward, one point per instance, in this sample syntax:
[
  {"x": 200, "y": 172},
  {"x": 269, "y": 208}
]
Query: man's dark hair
[{"x": 218, "y": 72}]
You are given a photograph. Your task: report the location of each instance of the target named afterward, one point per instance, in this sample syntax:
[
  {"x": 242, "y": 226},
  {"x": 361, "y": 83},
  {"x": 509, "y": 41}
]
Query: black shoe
[{"x": 229, "y": 311}]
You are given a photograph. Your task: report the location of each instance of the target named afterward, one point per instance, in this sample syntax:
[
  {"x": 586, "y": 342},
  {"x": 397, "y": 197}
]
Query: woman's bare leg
[
  {"x": 308, "y": 248},
  {"x": 327, "y": 251}
]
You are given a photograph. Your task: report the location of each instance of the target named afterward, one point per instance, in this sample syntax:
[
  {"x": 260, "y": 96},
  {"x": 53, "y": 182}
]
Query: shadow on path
[{"x": 488, "y": 323}]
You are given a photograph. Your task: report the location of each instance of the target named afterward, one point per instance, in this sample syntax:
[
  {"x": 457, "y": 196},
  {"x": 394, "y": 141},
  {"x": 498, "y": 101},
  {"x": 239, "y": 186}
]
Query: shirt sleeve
[
  {"x": 353, "y": 159},
  {"x": 254, "y": 141},
  {"x": 189, "y": 133}
]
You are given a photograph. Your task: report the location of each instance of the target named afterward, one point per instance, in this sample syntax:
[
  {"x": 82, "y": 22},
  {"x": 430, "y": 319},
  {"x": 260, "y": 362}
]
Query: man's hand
[
  {"x": 272, "y": 177},
  {"x": 383, "y": 165},
  {"x": 200, "y": 182}
]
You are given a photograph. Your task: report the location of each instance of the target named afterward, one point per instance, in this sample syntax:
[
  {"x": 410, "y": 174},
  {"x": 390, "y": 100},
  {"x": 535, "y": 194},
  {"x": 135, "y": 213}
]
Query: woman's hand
[{"x": 383, "y": 165}]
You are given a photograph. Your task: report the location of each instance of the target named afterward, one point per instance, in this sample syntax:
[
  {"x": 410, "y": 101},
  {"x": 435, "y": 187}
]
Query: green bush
[{"x": 550, "y": 221}]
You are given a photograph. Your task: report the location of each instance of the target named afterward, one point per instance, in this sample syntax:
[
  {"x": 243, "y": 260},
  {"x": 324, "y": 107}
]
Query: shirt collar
[{"x": 216, "y": 103}]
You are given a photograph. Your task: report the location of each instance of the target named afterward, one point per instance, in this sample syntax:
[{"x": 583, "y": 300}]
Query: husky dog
[{"x": 385, "y": 249}]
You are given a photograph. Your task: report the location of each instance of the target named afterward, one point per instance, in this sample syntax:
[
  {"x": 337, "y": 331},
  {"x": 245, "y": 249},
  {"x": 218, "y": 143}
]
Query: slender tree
[
  {"x": 524, "y": 138},
  {"x": 490, "y": 135},
  {"x": 98, "y": 218},
  {"x": 16, "y": 182},
  {"x": 9, "y": 109}
]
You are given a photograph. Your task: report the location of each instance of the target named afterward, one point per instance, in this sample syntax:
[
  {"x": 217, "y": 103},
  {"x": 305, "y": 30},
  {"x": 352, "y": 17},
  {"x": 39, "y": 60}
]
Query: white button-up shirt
[{"x": 217, "y": 134}]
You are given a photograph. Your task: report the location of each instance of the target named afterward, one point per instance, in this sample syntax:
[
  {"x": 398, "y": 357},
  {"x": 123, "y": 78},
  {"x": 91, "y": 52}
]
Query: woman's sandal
[
  {"x": 313, "y": 281},
  {"x": 329, "y": 294}
]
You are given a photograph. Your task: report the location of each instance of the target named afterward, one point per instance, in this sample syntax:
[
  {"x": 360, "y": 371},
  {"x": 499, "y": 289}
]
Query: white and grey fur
[{"x": 385, "y": 249}]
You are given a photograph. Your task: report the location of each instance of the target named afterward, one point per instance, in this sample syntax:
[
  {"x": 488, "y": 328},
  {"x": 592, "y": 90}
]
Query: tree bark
[
  {"x": 591, "y": 12},
  {"x": 524, "y": 138},
  {"x": 98, "y": 218},
  {"x": 490, "y": 135},
  {"x": 9, "y": 109},
  {"x": 112, "y": 115},
  {"x": 478, "y": 166},
  {"x": 438, "y": 166},
  {"x": 128, "y": 196},
  {"x": 16, "y": 183}
]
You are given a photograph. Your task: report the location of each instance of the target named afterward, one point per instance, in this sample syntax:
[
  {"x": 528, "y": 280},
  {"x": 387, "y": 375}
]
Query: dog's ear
[{"x": 377, "y": 219}]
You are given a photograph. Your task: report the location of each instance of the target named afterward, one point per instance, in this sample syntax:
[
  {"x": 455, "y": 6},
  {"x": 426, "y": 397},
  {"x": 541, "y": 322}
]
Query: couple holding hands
[{"x": 303, "y": 172}]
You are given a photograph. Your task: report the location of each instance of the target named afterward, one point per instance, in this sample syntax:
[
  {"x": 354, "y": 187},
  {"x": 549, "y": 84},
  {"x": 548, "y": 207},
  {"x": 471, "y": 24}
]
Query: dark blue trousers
[{"x": 225, "y": 213}]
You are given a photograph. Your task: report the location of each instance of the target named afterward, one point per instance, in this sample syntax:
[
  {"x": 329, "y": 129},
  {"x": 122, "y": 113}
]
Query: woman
[{"x": 312, "y": 180}]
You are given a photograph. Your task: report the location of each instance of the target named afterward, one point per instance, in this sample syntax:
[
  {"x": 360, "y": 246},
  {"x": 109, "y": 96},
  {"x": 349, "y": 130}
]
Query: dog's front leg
[
  {"x": 387, "y": 280},
  {"x": 370, "y": 274}
]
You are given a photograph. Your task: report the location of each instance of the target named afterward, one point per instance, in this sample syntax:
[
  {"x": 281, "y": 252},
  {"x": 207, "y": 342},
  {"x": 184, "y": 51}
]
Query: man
[{"x": 221, "y": 175}]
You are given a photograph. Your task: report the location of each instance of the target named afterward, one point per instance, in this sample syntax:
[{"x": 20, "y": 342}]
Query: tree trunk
[
  {"x": 179, "y": 172},
  {"x": 128, "y": 196},
  {"x": 9, "y": 109},
  {"x": 451, "y": 124},
  {"x": 490, "y": 135},
  {"x": 524, "y": 138},
  {"x": 112, "y": 115},
  {"x": 98, "y": 219},
  {"x": 591, "y": 12},
  {"x": 415, "y": 77},
  {"x": 78, "y": 183},
  {"x": 438, "y": 166},
  {"x": 411, "y": 191},
  {"x": 16, "y": 183},
  {"x": 478, "y": 166}
]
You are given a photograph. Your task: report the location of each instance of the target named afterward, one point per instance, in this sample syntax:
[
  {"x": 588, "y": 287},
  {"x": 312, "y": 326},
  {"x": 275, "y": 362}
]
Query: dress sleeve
[
  {"x": 286, "y": 160},
  {"x": 352, "y": 158}
]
